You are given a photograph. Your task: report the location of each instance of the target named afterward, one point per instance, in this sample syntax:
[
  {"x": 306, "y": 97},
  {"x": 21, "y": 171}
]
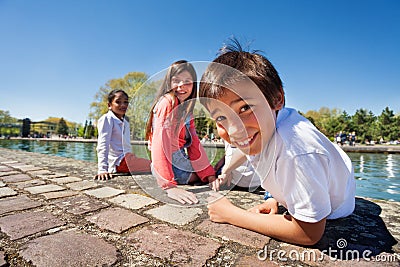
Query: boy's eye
[
  {"x": 245, "y": 108},
  {"x": 220, "y": 118}
]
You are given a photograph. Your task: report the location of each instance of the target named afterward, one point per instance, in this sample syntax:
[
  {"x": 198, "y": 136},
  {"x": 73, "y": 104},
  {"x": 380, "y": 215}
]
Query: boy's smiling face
[{"x": 243, "y": 117}]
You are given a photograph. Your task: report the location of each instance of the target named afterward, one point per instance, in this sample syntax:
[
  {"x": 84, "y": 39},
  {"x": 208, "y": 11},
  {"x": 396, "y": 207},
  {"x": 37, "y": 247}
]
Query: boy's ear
[{"x": 280, "y": 103}]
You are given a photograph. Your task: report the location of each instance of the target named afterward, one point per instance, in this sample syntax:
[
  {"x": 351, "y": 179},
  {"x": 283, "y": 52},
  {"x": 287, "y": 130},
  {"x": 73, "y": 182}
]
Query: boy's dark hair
[
  {"x": 112, "y": 94},
  {"x": 241, "y": 64}
]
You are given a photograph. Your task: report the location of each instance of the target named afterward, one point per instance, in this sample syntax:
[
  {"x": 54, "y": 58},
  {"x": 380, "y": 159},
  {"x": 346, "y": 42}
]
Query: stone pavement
[{"x": 53, "y": 214}]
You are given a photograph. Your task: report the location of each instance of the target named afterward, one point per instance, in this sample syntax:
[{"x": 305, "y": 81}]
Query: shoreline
[
  {"x": 390, "y": 149},
  {"x": 52, "y": 212}
]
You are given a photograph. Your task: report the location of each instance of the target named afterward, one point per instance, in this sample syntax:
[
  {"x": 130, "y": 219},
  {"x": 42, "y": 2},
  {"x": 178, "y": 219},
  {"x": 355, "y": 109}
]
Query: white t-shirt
[
  {"x": 305, "y": 172},
  {"x": 113, "y": 142},
  {"x": 244, "y": 175}
]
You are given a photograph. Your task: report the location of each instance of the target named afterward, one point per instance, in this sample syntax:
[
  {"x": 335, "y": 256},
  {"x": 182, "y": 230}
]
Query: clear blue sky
[{"x": 55, "y": 55}]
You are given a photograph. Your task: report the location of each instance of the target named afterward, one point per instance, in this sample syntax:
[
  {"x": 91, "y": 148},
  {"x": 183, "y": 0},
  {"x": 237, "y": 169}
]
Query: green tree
[
  {"x": 62, "y": 127},
  {"x": 130, "y": 83},
  {"x": 139, "y": 108},
  {"x": 385, "y": 123},
  {"x": 364, "y": 125}
]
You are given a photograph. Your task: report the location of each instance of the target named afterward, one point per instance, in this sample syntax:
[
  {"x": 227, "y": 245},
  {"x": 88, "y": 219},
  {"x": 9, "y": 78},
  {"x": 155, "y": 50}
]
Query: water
[{"x": 377, "y": 175}]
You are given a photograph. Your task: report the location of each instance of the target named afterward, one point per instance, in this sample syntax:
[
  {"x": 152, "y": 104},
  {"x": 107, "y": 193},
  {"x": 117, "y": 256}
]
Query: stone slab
[
  {"x": 234, "y": 233},
  {"x": 65, "y": 180},
  {"x": 82, "y": 185},
  {"x": 59, "y": 194},
  {"x": 178, "y": 247},
  {"x": 36, "y": 173},
  {"x": 40, "y": 189},
  {"x": 28, "y": 168},
  {"x": 16, "y": 178},
  {"x": 2, "y": 174},
  {"x": 28, "y": 223},
  {"x": 104, "y": 192},
  {"x": 3, "y": 262},
  {"x": 17, "y": 203},
  {"x": 2, "y": 184},
  {"x": 10, "y": 162},
  {"x": 255, "y": 261},
  {"x": 116, "y": 220},
  {"x": 133, "y": 201},
  {"x": 50, "y": 176},
  {"x": 69, "y": 248},
  {"x": 174, "y": 214},
  {"x": 5, "y": 169},
  {"x": 7, "y": 192},
  {"x": 80, "y": 204},
  {"x": 30, "y": 183}
]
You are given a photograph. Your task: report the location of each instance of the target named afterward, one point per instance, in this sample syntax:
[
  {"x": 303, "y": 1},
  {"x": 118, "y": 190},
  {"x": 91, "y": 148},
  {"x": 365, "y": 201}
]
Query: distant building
[{"x": 43, "y": 128}]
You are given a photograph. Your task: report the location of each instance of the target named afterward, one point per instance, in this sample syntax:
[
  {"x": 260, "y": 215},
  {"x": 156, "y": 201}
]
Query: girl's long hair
[{"x": 184, "y": 109}]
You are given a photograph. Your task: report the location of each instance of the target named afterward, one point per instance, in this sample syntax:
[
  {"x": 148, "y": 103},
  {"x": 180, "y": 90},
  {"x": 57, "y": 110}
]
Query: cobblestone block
[
  {"x": 21, "y": 202},
  {"x": 50, "y": 176},
  {"x": 66, "y": 180},
  {"x": 82, "y": 185},
  {"x": 16, "y": 178},
  {"x": 2, "y": 184},
  {"x": 28, "y": 223},
  {"x": 104, "y": 192},
  {"x": 80, "y": 204},
  {"x": 40, "y": 189},
  {"x": 133, "y": 201},
  {"x": 2, "y": 259},
  {"x": 69, "y": 248},
  {"x": 40, "y": 172},
  {"x": 178, "y": 247},
  {"x": 2, "y": 174},
  {"x": 234, "y": 233},
  {"x": 245, "y": 261},
  {"x": 5, "y": 169},
  {"x": 175, "y": 215},
  {"x": 116, "y": 220},
  {"x": 30, "y": 183},
  {"x": 10, "y": 162},
  {"x": 28, "y": 168},
  {"x": 60, "y": 194},
  {"x": 7, "y": 192}
]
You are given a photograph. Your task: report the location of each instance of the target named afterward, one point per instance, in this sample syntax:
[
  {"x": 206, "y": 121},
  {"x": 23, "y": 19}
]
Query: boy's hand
[
  {"x": 103, "y": 176},
  {"x": 218, "y": 207},
  {"x": 221, "y": 180},
  {"x": 270, "y": 206},
  {"x": 181, "y": 195}
]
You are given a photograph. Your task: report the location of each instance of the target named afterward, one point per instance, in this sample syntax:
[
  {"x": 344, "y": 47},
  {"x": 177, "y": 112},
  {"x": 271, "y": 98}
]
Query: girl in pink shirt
[{"x": 176, "y": 152}]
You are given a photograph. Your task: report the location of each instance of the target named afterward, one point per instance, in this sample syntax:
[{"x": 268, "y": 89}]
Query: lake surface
[{"x": 377, "y": 174}]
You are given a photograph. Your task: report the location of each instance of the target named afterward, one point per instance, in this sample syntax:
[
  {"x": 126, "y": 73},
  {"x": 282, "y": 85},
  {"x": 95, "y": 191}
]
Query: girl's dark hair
[
  {"x": 112, "y": 94},
  {"x": 184, "y": 109},
  {"x": 241, "y": 64}
]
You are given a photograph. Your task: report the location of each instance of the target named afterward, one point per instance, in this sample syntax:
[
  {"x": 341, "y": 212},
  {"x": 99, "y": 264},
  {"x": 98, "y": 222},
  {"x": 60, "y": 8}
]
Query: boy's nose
[{"x": 236, "y": 129}]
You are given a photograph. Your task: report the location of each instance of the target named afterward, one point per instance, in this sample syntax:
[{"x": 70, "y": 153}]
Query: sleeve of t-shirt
[
  {"x": 104, "y": 127},
  {"x": 161, "y": 148},
  {"x": 306, "y": 187}
]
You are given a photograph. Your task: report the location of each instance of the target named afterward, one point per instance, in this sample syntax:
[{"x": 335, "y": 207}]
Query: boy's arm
[
  {"x": 236, "y": 160},
  {"x": 282, "y": 227}
]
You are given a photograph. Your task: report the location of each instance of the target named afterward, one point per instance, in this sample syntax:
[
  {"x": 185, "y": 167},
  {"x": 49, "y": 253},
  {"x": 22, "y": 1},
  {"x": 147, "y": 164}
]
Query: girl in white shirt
[{"x": 114, "y": 151}]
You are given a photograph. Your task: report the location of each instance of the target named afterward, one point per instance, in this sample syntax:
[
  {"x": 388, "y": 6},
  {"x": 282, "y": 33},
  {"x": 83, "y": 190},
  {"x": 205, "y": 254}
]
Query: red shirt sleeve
[{"x": 163, "y": 143}]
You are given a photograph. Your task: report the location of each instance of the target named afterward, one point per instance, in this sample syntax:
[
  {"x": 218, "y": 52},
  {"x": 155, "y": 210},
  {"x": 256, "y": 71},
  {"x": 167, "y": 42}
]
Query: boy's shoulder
[{"x": 299, "y": 135}]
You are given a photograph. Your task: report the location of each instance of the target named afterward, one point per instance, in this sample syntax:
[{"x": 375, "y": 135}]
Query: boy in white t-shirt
[
  {"x": 305, "y": 172},
  {"x": 243, "y": 177}
]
